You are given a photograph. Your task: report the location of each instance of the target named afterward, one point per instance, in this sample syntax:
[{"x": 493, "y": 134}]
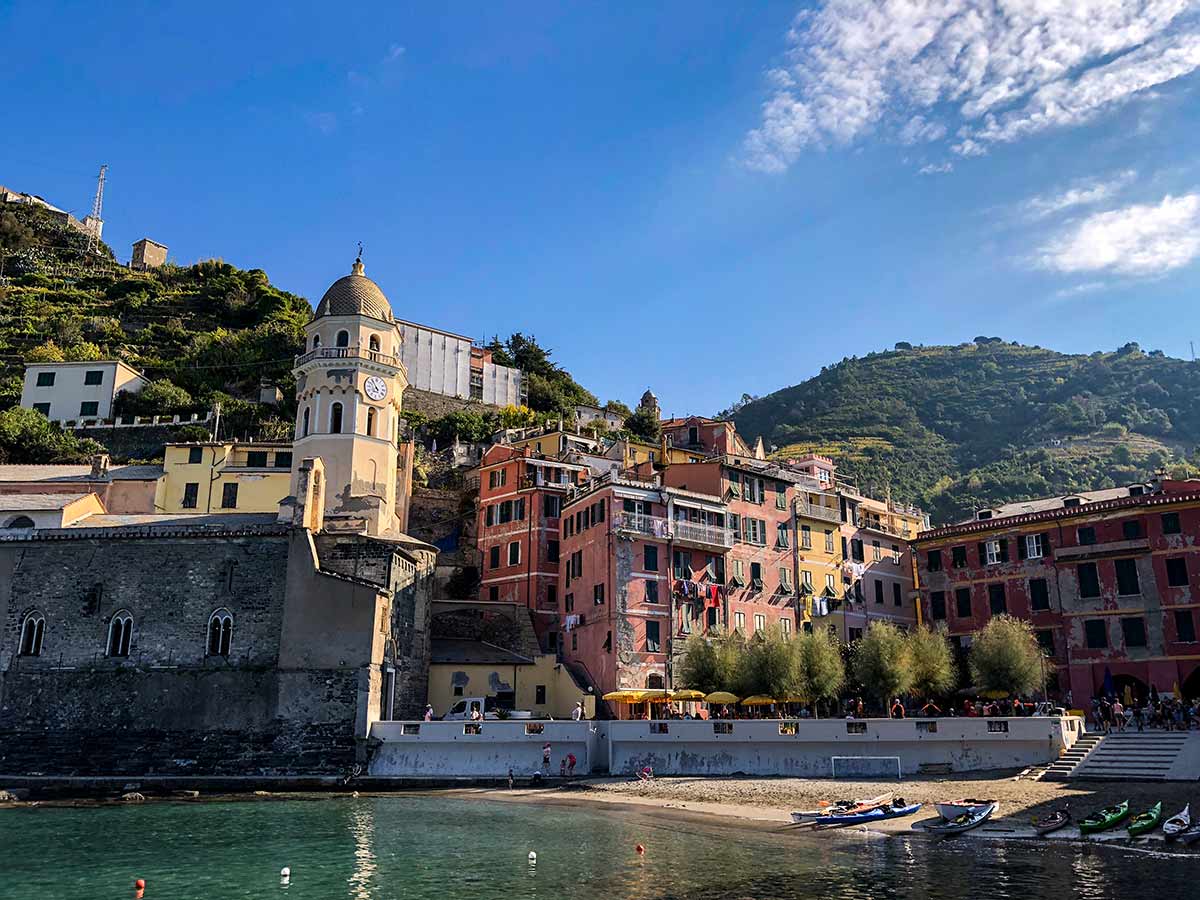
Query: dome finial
[{"x": 357, "y": 268}]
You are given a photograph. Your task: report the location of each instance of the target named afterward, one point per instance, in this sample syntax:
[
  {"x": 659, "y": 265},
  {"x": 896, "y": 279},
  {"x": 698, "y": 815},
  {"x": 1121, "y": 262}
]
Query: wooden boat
[
  {"x": 1104, "y": 819},
  {"x": 973, "y": 818},
  {"x": 1145, "y": 821},
  {"x": 1178, "y": 823},
  {"x": 895, "y": 810},
  {"x": 841, "y": 807},
  {"x": 952, "y": 809},
  {"x": 1053, "y": 821}
]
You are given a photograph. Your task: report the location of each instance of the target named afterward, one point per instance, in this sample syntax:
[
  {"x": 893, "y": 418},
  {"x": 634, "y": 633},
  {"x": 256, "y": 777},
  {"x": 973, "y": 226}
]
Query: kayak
[
  {"x": 1105, "y": 818},
  {"x": 896, "y": 810},
  {"x": 841, "y": 807},
  {"x": 1178, "y": 823},
  {"x": 1190, "y": 835},
  {"x": 966, "y": 821},
  {"x": 1052, "y": 821},
  {"x": 1145, "y": 821},
  {"x": 952, "y": 809}
]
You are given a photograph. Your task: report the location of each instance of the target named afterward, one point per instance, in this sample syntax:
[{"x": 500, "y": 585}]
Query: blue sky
[{"x": 703, "y": 198}]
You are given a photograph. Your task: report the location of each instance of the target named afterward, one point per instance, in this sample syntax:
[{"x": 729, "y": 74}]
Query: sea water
[{"x": 442, "y": 848}]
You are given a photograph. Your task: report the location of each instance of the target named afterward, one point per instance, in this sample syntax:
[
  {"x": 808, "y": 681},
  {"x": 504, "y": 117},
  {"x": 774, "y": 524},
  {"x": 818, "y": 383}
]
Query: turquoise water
[{"x": 433, "y": 848}]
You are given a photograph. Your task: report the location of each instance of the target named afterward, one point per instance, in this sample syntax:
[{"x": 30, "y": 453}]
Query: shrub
[
  {"x": 1005, "y": 656},
  {"x": 882, "y": 663}
]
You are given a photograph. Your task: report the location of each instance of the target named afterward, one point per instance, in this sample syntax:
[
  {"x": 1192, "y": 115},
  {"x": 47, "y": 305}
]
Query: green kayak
[
  {"x": 1145, "y": 821},
  {"x": 1105, "y": 818}
]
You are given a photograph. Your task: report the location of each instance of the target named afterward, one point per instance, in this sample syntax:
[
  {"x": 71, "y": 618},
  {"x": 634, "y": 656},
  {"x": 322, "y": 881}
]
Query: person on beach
[
  {"x": 897, "y": 710},
  {"x": 930, "y": 710},
  {"x": 646, "y": 774},
  {"x": 571, "y": 764},
  {"x": 546, "y": 756}
]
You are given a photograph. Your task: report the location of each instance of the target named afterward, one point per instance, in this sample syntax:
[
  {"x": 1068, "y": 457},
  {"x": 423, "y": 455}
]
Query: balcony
[
  {"x": 678, "y": 530},
  {"x": 872, "y": 524},
  {"x": 1093, "y": 551},
  {"x": 355, "y": 352},
  {"x": 816, "y": 511}
]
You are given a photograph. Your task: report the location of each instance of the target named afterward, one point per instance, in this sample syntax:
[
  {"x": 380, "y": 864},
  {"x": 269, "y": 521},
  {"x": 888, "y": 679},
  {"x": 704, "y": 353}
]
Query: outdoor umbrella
[
  {"x": 687, "y": 695},
  {"x": 758, "y": 700},
  {"x": 721, "y": 697},
  {"x": 623, "y": 696}
]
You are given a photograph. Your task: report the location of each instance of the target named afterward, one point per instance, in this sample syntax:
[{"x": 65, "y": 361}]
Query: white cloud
[
  {"x": 1142, "y": 240},
  {"x": 1084, "y": 193},
  {"x": 936, "y": 168},
  {"x": 992, "y": 71},
  {"x": 1087, "y": 287}
]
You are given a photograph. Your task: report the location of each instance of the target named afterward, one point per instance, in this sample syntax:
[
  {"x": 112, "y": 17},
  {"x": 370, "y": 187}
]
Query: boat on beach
[
  {"x": 1103, "y": 819},
  {"x": 952, "y": 809},
  {"x": 841, "y": 807},
  {"x": 1190, "y": 835},
  {"x": 897, "y": 809},
  {"x": 1052, "y": 821},
  {"x": 1178, "y": 823},
  {"x": 1145, "y": 821},
  {"x": 972, "y": 818}
]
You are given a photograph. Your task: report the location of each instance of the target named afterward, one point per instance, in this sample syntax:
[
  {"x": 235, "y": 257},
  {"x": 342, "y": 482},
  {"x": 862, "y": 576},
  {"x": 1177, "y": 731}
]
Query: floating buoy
[
  {"x": 285, "y": 874},
  {"x": 641, "y": 851},
  {"x": 532, "y": 858},
  {"x": 140, "y": 883}
]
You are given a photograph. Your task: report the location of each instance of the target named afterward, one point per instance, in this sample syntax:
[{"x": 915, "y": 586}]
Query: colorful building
[
  {"x": 1109, "y": 580},
  {"x": 227, "y": 476}
]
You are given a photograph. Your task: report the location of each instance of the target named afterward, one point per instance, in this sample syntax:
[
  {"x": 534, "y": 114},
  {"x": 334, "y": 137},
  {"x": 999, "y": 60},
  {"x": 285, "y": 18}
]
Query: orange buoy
[
  {"x": 140, "y": 884},
  {"x": 641, "y": 851}
]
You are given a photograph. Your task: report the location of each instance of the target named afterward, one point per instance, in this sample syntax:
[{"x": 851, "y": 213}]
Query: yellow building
[
  {"x": 224, "y": 476},
  {"x": 818, "y": 543}
]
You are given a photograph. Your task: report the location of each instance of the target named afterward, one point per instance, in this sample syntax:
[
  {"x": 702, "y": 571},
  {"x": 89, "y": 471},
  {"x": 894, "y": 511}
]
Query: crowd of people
[{"x": 1169, "y": 713}]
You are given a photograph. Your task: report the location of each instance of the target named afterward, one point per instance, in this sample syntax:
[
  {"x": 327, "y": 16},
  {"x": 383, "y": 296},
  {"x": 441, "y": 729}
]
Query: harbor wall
[{"x": 740, "y": 747}]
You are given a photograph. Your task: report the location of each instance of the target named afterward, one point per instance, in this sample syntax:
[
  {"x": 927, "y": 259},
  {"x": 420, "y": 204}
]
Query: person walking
[
  {"x": 577, "y": 713},
  {"x": 897, "y": 710}
]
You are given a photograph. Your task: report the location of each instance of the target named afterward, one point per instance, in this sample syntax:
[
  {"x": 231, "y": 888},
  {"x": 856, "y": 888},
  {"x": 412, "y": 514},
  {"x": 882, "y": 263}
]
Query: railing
[
  {"x": 879, "y": 525},
  {"x": 692, "y": 532},
  {"x": 816, "y": 511},
  {"x": 355, "y": 352}
]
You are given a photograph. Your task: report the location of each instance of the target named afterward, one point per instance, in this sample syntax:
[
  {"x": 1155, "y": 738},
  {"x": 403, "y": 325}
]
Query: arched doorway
[{"x": 1138, "y": 689}]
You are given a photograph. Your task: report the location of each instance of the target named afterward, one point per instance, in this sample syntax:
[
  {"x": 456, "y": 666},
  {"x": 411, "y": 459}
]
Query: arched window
[
  {"x": 335, "y": 419},
  {"x": 373, "y": 343},
  {"x": 343, "y": 339},
  {"x": 304, "y": 429},
  {"x": 220, "y": 632},
  {"x": 20, "y": 522},
  {"x": 316, "y": 341},
  {"x": 371, "y": 421},
  {"x": 120, "y": 633},
  {"x": 654, "y": 682},
  {"x": 32, "y": 631}
]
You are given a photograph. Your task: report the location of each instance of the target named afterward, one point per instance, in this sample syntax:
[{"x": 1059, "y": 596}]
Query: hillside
[{"x": 954, "y": 428}]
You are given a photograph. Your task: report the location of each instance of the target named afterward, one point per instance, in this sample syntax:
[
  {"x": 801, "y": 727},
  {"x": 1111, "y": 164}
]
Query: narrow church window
[
  {"x": 304, "y": 431},
  {"x": 316, "y": 341},
  {"x": 343, "y": 338},
  {"x": 371, "y": 422},
  {"x": 373, "y": 343},
  {"x": 335, "y": 419},
  {"x": 220, "y": 633},
  {"x": 32, "y": 631},
  {"x": 120, "y": 634}
]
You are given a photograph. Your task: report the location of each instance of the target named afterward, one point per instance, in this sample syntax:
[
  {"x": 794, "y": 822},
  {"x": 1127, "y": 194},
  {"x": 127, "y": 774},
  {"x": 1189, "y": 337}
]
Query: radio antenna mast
[{"x": 96, "y": 221}]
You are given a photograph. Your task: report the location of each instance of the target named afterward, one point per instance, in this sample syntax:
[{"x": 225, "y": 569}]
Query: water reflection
[{"x": 362, "y": 829}]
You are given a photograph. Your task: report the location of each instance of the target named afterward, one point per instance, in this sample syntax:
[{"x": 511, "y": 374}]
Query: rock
[
  {"x": 190, "y": 795},
  {"x": 262, "y": 793},
  {"x": 6, "y": 797},
  {"x": 132, "y": 797}
]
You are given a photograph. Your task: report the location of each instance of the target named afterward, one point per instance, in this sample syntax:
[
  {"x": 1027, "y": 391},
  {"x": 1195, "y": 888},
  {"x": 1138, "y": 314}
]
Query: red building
[
  {"x": 520, "y": 500},
  {"x": 1110, "y": 581}
]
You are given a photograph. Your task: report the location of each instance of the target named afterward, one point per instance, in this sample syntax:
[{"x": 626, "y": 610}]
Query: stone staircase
[
  {"x": 1141, "y": 756},
  {"x": 1061, "y": 769}
]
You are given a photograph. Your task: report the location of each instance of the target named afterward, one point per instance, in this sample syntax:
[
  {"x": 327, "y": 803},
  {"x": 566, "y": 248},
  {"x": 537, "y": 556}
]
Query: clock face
[{"x": 375, "y": 387}]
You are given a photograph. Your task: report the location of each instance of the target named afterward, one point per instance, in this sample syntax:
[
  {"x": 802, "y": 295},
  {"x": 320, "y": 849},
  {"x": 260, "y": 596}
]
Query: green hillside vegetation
[{"x": 957, "y": 428}]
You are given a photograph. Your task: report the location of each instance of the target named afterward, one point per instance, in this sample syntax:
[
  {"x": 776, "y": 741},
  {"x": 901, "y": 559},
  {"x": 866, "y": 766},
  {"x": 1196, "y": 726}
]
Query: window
[
  {"x": 494, "y": 594},
  {"x": 256, "y": 459},
  {"x": 229, "y": 492},
  {"x": 1131, "y": 529},
  {"x": 43, "y": 408},
  {"x": 756, "y": 575},
  {"x": 653, "y": 638},
  {"x": 539, "y": 695},
  {"x": 514, "y": 553},
  {"x": 806, "y": 579},
  {"x": 897, "y": 594},
  {"x": 551, "y": 506},
  {"x": 191, "y": 491},
  {"x": 1039, "y": 594},
  {"x": 856, "y": 550},
  {"x": 1127, "y": 577},
  {"x": 1177, "y": 573},
  {"x": 195, "y": 455},
  {"x": 1096, "y": 634},
  {"x": 335, "y": 419},
  {"x": 94, "y": 376},
  {"x": 598, "y": 594},
  {"x": 1045, "y": 639},
  {"x": 937, "y": 605},
  {"x": 962, "y": 603},
  {"x": 343, "y": 339},
  {"x": 650, "y": 558},
  {"x": 958, "y": 557},
  {"x": 933, "y": 561},
  {"x": 805, "y": 537},
  {"x": 316, "y": 341},
  {"x": 494, "y": 557},
  {"x": 828, "y": 540},
  {"x": 783, "y": 541},
  {"x": 569, "y": 602},
  {"x": 1133, "y": 629},
  {"x": 1089, "y": 580},
  {"x": 1033, "y": 546},
  {"x": 33, "y": 629},
  {"x": 220, "y": 632},
  {"x": 785, "y": 626},
  {"x": 1185, "y": 626},
  {"x": 739, "y": 621},
  {"x": 993, "y": 553},
  {"x": 1170, "y": 523},
  {"x": 497, "y": 478},
  {"x": 370, "y": 425},
  {"x": 304, "y": 427},
  {"x": 760, "y": 622},
  {"x": 682, "y": 564},
  {"x": 896, "y": 554},
  {"x": 830, "y": 585},
  {"x": 89, "y": 408},
  {"x": 120, "y": 634},
  {"x": 651, "y": 591},
  {"x": 608, "y": 642},
  {"x": 1086, "y": 535},
  {"x": 875, "y": 554},
  {"x": 785, "y": 579},
  {"x": 552, "y": 551},
  {"x": 878, "y": 591},
  {"x": 996, "y": 599},
  {"x": 552, "y": 597},
  {"x": 780, "y": 495},
  {"x": 283, "y": 460},
  {"x": 45, "y": 379}
]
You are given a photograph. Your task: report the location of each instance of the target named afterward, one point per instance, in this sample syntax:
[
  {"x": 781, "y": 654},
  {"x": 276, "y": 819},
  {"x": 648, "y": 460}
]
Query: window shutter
[
  {"x": 982, "y": 553},
  {"x": 1004, "y": 550},
  {"x": 1021, "y": 549},
  {"x": 1046, "y": 544}
]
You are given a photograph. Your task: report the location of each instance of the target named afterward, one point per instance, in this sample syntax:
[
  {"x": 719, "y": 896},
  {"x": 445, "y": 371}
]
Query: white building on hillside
[
  {"x": 449, "y": 364},
  {"x": 70, "y": 391}
]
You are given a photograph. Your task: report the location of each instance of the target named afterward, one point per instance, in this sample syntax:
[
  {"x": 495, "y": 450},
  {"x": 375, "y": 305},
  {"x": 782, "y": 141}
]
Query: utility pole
[{"x": 96, "y": 218}]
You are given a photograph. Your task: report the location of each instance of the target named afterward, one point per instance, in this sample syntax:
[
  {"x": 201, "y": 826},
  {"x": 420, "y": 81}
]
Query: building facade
[
  {"x": 1109, "y": 581},
  {"x": 441, "y": 362},
  {"x": 147, "y": 254},
  {"x": 78, "y": 391},
  {"x": 224, "y": 476}
]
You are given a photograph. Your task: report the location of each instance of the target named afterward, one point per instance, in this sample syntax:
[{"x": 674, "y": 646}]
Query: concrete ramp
[{"x": 1142, "y": 756}]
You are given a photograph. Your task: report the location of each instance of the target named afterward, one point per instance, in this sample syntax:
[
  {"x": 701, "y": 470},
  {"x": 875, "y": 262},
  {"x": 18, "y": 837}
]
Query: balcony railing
[
  {"x": 816, "y": 511},
  {"x": 879, "y": 525},
  {"x": 677, "y": 529},
  {"x": 355, "y": 352}
]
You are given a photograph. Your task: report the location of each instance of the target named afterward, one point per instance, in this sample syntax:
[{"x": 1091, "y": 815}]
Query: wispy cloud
[
  {"x": 1143, "y": 240},
  {"x": 987, "y": 71},
  {"x": 1081, "y": 193},
  {"x": 394, "y": 52},
  {"x": 936, "y": 168},
  {"x": 1075, "y": 290}
]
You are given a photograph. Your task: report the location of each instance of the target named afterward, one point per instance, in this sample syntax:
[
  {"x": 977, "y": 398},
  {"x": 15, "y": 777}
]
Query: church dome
[{"x": 355, "y": 295}]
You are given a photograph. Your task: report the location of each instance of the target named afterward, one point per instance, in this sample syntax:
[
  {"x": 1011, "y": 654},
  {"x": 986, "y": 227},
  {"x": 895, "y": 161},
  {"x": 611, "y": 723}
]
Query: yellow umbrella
[
  {"x": 758, "y": 700},
  {"x": 994, "y": 695},
  {"x": 721, "y": 697},
  {"x": 655, "y": 695},
  {"x": 687, "y": 695},
  {"x": 623, "y": 696},
  {"x": 791, "y": 698}
]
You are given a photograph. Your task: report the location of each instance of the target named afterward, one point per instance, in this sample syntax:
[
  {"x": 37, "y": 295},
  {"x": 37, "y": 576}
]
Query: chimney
[{"x": 100, "y": 465}]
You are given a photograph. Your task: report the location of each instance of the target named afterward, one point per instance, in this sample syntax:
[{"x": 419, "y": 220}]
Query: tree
[
  {"x": 28, "y": 437},
  {"x": 14, "y": 236},
  {"x": 882, "y": 663},
  {"x": 45, "y": 352},
  {"x": 767, "y": 666},
  {"x": 513, "y": 416},
  {"x": 700, "y": 667},
  {"x": 820, "y": 670},
  {"x": 644, "y": 425},
  {"x": 83, "y": 351},
  {"x": 159, "y": 398},
  {"x": 933, "y": 670},
  {"x": 1005, "y": 656},
  {"x": 616, "y": 407}
]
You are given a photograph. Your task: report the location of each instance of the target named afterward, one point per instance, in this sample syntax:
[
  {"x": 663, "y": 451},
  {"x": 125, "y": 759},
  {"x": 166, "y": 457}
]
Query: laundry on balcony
[{"x": 572, "y": 621}]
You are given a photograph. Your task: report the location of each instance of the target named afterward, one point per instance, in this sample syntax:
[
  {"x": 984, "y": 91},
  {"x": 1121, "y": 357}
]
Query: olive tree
[
  {"x": 767, "y": 665},
  {"x": 700, "y": 666},
  {"x": 882, "y": 662},
  {"x": 1005, "y": 656},
  {"x": 932, "y": 661},
  {"x": 820, "y": 671}
]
